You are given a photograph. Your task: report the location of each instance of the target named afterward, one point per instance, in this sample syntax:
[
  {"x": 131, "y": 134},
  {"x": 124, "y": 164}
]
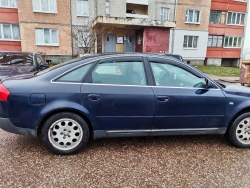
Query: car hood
[{"x": 237, "y": 90}]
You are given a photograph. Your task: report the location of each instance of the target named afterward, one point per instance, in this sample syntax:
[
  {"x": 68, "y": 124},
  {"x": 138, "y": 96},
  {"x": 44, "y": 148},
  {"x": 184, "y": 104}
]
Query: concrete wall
[
  {"x": 156, "y": 39},
  {"x": 83, "y": 20},
  {"x": 190, "y": 54},
  {"x": 61, "y": 21},
  {"x": 213, "y": 61},
  {"x": 230, "y": 62},
  {"x": 154, "y": 9}
]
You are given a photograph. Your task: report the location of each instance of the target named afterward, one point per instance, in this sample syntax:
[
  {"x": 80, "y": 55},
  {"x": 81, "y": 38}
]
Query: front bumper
[{"x": 6, "y": 125}]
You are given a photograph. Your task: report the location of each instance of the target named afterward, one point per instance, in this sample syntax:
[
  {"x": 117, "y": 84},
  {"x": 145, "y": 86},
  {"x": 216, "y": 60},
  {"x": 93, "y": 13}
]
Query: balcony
[
  {"x": 136, "y": 11},
  {"x": 138, "y": 2},
  {"x": 124, "y": 22}
]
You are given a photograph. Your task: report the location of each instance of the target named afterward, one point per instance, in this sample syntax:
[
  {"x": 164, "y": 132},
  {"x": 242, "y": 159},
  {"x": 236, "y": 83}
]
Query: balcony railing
[
  {"x": 139, "y": 2},
  {"x": 129, "y": 15}
]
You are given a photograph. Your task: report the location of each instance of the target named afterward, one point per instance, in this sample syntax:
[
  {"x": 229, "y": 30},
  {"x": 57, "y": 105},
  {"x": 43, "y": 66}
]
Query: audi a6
[{"x": 121, "y": 95}]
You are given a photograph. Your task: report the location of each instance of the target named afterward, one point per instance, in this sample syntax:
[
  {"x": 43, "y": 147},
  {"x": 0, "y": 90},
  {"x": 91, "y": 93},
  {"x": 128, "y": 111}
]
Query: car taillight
[{"x": 4, "y": 93}]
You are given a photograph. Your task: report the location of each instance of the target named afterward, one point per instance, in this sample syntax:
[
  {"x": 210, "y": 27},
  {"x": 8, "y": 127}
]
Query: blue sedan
[{"x": 121, "y": 95}]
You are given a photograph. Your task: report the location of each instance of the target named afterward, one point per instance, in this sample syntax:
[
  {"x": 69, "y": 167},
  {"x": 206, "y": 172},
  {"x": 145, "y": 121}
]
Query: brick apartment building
[
  {"x": 189, "y": 38},
  {"x": 226, "y": 32},
  {"x": 45, "y": 26}
]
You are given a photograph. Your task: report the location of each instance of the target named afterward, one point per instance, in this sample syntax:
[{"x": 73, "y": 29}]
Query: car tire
[
  {"x": 239, "y": 132},
  {"x": 65, "y": 133}
]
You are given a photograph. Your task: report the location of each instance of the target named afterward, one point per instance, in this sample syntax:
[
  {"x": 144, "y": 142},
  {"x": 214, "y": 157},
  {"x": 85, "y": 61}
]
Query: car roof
[{"x": 122, "y": 54}]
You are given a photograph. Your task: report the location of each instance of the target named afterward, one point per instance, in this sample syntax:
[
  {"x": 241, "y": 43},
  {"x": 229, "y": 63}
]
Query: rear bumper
[{"x": 6, "y": 125}]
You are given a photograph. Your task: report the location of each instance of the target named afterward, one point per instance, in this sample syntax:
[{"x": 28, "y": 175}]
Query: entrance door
[
  {"x": 109, "y": 43},
  {"x": 129, "y": 43}
]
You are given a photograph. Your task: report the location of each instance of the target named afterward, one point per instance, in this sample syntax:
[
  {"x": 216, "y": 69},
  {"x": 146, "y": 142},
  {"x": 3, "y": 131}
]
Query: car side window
[
  {"x": 173, "y": 76},
  {"x": 119, "y": 72},
  {"x": 75, "y": 75}
]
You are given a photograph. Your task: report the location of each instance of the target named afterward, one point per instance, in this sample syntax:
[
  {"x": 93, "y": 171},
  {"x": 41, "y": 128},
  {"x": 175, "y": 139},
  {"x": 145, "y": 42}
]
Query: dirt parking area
[{"x": 173, "y": 161}]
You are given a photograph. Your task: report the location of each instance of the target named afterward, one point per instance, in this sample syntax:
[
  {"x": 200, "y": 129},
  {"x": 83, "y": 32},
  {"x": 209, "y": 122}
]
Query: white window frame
[
  {"x": 11, "y": 33},
  {"x": 85, "y": 15},
  {"x": 8, "y": 6},
  {"x": 244, "y": 1},
  {"x": 213, "y": 37},
  {"x": 107, "y": 10},
  {"x": 187, "y": 15},
  {"x": 236, "y": 18},
  {"x": 162, "y": 15},
  {"x": 47, "y": 44},
  {"x": 40, "y": 4},
  {"x": 232, "y": 41},
  {"x": 190, "y": 48}
]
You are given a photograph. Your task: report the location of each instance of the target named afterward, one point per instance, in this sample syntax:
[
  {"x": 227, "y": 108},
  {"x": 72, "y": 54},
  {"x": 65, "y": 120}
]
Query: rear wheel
[
  {"x": 239, "y": 132},
  {"x": 65, "y": 133}
]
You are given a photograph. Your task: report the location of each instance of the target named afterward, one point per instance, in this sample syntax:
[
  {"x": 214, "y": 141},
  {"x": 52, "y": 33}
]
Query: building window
[
  {"x": 215, "y": 17},
  {"x": 232, "y": 42},
  {"x": 47, "y": 37},
  {"x": 192, "y": 16},
  {"x": 215, "y": 41},
  {"x": 47, "y": 6},
  {"x": 82, "y": 8},
  {"x": 9, "y": 32},
  {"x": 234, "y": 18},
  {"x": 164, "y": 14},
  {"x": 190, "y": 42},
  {"x": 107, "y": 8},
  {"x": 8, "y": 3}
]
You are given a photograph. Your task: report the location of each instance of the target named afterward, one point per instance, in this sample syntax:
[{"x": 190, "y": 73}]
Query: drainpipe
[
  {"x": 173, "y": 30},
  {"x": 175, "y": 10},
  {"x": 72, "y": 44}
]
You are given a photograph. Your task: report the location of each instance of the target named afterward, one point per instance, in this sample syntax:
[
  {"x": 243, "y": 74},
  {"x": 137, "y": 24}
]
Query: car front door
[
  {"x": 118, "y": 95},
  {"x": 182, "y": 100}
]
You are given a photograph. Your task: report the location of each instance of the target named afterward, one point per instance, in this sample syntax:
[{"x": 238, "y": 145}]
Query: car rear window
[{"x": 75, "y": 75}]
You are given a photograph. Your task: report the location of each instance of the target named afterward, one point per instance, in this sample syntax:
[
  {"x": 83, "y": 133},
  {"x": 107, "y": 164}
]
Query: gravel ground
[{"x": 173, "y": 161}]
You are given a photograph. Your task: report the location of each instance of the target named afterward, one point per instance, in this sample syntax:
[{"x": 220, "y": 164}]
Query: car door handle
[
  {"x": 162, "y": 98},
  {"x": 94, "y": 97}
]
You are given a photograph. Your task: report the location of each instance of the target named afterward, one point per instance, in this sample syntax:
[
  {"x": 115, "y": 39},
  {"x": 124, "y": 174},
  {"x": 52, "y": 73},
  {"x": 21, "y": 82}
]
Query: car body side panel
[
  {"x": 23, "y": 113},
  {"x": 188, "y": 108},
  {"x": 234, "y": 105},
  {"x": 121, "y": 107}
]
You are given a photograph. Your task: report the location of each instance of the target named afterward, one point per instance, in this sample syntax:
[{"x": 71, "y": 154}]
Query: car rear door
[
  {"x": 182, "y": 100},
  {"x": 118, "y": 95}
]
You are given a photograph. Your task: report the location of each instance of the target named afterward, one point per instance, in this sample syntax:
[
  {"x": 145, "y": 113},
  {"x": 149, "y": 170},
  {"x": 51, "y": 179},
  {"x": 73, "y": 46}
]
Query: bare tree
[{"x": 86, "y": 37}]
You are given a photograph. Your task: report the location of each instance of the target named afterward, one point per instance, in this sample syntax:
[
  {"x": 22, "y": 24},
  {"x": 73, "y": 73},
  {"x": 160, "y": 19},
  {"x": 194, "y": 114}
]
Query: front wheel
[
  {"x": 239, "y": 132},
  {"x": 65, "y": 133}
]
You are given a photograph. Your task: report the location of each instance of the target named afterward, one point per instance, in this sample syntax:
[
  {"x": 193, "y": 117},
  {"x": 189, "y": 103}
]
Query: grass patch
[{"x": 219, "y": 71}]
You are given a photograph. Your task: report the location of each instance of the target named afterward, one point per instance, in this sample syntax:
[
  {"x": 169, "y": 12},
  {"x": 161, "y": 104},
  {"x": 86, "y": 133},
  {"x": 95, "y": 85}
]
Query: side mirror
[
  {"x": 43, "y": 66},
  {"x": 209, "y": 84}
]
